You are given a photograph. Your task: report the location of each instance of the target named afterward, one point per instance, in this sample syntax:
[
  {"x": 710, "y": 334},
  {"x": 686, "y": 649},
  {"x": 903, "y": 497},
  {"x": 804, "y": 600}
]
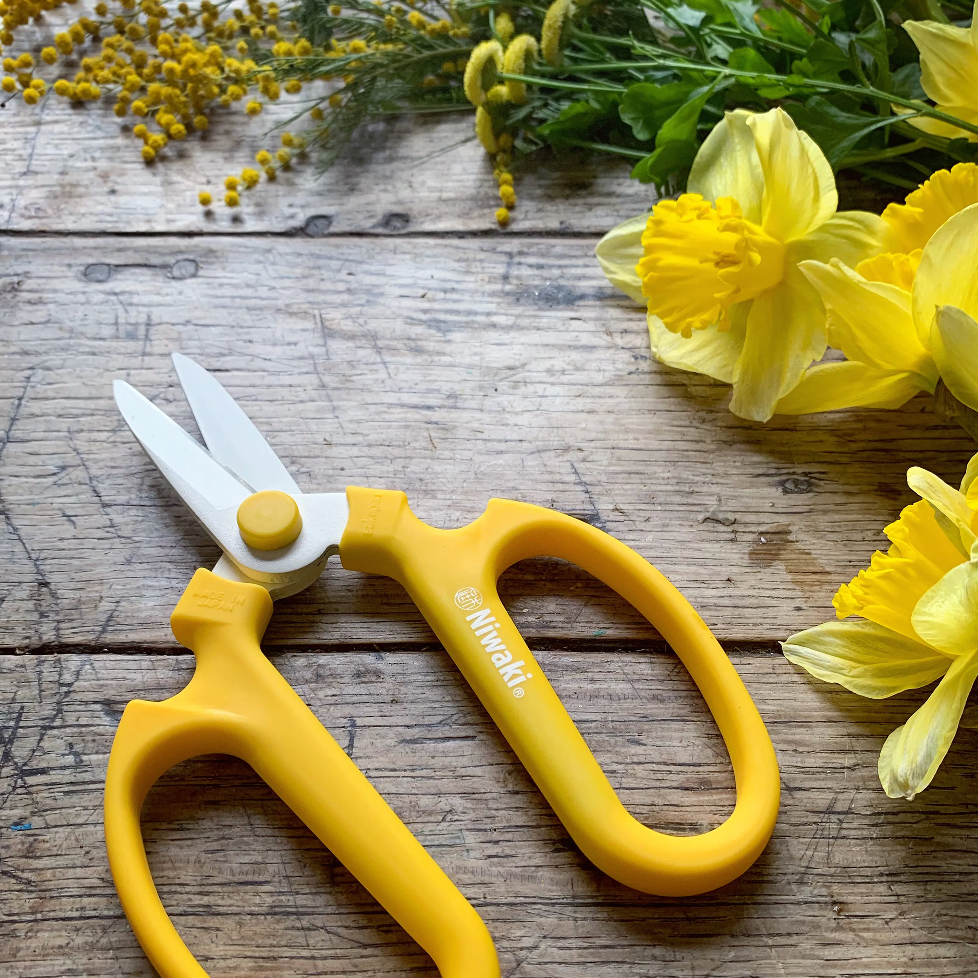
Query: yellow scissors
[{"x": 276, "y": 541}]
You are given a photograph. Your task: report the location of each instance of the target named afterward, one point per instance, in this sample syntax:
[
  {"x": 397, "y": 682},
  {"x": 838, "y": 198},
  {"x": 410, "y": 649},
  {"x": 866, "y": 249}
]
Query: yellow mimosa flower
[
  {"x": 719, "y": 268},
  {"x": 918, "y": 608},
  {"x": 903, "y": 321},
  {"x": 948, "y": 73}
]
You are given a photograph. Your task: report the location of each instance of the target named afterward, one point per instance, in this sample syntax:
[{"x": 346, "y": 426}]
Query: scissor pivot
[{"x": 269, "y": 520}]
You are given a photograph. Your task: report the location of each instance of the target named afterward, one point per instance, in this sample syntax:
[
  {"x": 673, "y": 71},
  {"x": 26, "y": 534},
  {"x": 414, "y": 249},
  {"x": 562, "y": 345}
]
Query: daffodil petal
[
  {"x": 954, "y": 344},
  {"x": 727, "y": 165},
  {"x": 849, "y": 236},
  {"x": 948, "y": 61},
  {"x": 913, "y": 753},
  {"x": 871, "y": 322},
  {"x": 947, "y": 502},
  {"x": 947, "y": 615},
  {"x": 866, "y": 658},
  {"x": 941, "y": 196},
  {"x": 799, "y": 186},
  {"x": 618, "y": 253},
  {"x": 948, "y": 271},
  {"x": 785, "y": 333},
  {"x": 970, "y": 474},
  {"x": 707, "y": 351},
  {"x": 848, "y": 384}
]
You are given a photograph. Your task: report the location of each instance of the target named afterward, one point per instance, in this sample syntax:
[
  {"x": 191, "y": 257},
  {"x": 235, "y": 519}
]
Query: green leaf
[
  {"x": 681, "y": 125},
  {"x": 824, "y": 61},
  {"x": 670, "y": 158},
  {"x": 646, "y": 107},
  {"x": 905, "y": 82},
  {"x": 835, "y": 130},
  {"x": 684, "y": 14},
  {"x": 742, "y": 12},
  {"x": 747, "y": 59},
  {"x": 578, "y": 119},
  {"x": 787, "y": 27},
  {"x": 877, "y": 42}
]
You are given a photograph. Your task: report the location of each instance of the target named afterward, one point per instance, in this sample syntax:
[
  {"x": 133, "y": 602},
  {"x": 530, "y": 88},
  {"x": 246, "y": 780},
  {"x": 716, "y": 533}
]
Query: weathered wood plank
[
  {"x": 454, "y": 370},
  {"x": 76, "y": 169},
  {"x": 852, "y": 884}
]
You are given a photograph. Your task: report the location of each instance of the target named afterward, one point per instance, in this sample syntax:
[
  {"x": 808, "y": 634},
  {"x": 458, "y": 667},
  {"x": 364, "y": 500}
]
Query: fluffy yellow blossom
[
  {"x": 149, "y": 154},
  {"x": 719, "y": 268},
  {"x": 948, "y": 73},
  {"x": 519, "y": 56},
  {"x": 49, "y": 56},
  {"x": 263, "y": 157},
  {"x": 483, "y": 129},
  {"x": 484, "y": 64},
  {"x": 502, "y": 217},
  {"x": 253, "y": 108},
  {"x": 9, "y": 84},
  {"x": 556, "y": 25},
  {"x": 205, "y": 199},
  {"x": 507, "y": 195},
  {"x": 250, "y": 178},
  {"x": 232, "y": 198},
  {"x": 504, "y": 28},
  {"x": 918, "y": 622}
]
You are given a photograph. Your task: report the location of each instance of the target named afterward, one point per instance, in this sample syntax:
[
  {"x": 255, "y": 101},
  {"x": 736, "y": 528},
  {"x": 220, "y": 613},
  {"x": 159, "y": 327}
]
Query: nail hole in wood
[
  {"x": 318, "y": 225},
  {"x": 97, "y": 272}
]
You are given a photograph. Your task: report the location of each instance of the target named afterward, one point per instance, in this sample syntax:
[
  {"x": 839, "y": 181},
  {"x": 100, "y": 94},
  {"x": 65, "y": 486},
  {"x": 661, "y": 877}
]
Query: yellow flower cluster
[
  {"x": 511, "y": 56},
  {"x": 173, "y": 65}
]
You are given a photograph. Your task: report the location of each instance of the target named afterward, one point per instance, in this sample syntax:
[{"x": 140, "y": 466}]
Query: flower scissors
[{"x": 275, "y": 542}]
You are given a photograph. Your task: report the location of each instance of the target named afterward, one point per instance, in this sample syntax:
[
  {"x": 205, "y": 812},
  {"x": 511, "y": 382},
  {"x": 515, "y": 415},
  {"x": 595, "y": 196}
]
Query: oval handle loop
[
  {"x": 451, "y": 575},
  {"x": 238, "y": 703}
]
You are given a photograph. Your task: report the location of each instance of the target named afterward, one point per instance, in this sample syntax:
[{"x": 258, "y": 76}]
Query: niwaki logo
[
  {"x": 468, "y": 598},
  {"x": 483, "y": 624}
]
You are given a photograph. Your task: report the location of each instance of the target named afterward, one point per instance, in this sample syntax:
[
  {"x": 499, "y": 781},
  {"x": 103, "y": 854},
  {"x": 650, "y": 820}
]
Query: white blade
[
  {"x": 231, "y": 437},
  {"x": 203, "y": 484}
]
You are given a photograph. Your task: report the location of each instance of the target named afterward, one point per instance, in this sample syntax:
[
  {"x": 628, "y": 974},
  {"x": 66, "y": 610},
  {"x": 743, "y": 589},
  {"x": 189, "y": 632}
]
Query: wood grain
[
  {"x": 852, "y": 883},
  {"x": 78, "y": 169},
  {"x": 454, "y": 370}
]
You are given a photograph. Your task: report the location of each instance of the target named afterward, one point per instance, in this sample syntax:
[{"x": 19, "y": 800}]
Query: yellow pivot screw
[{"x": 269, "y": 520}]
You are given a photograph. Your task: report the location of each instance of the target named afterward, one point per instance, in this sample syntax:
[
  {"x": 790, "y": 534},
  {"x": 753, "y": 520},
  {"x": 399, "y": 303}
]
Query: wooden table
[{"x": 381, "y": 331}]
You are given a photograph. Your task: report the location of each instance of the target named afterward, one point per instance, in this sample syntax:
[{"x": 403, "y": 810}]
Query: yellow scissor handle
[
  {"x": 238, "y": 703},
  {"x": 451, "y": 576}
]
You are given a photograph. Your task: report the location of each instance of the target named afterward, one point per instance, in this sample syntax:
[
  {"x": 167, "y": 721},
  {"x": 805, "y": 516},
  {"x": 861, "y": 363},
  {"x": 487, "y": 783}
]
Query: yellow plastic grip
[
  {"x": 238, "y": 703},
  {"x": 451, "y": 576}
]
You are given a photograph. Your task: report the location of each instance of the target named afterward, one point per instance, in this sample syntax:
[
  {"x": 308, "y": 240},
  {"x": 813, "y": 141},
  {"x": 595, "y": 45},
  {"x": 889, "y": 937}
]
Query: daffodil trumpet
[{"x": 909, "y": 620}]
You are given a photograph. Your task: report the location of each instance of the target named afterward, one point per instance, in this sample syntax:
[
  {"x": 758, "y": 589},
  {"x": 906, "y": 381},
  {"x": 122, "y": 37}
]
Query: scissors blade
[
  {"x": 202, "y": 483},
  {"x": 230, "y": 436}
]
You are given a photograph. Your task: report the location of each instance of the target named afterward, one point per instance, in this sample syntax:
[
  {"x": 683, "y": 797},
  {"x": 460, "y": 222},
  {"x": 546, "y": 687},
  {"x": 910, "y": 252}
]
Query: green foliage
[{"x": 649, "y": 78}]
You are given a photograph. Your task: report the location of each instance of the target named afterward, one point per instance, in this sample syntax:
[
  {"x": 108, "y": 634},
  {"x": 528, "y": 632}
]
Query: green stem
[
  {"x": 635, "y": 154},
  {"x": 683, "y": 64},
  {"x": 871, "y": 171},
  {"x": 553, "y": 83},
  {"x": 872, "y": 155}
]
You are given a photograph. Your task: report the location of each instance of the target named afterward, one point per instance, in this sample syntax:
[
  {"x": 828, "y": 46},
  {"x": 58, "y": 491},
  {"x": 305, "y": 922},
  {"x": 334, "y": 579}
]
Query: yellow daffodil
[
  {"x": 939, "y": 197},
  {"x": 719, "y": 267},
  {"x": 948, "y": 73},
  {"x": 918, "y": 608},
  {"x": 903, "y": 321}
]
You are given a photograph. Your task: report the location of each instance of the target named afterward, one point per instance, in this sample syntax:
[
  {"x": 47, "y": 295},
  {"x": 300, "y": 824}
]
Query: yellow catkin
[
  {"x": 552, "y": 33},
  {"x": 519, "y": 56},
  {"x": 484, "y": 130},
  {"x": 484, "y": 64},
  {"x": 504, "y": 28}
]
